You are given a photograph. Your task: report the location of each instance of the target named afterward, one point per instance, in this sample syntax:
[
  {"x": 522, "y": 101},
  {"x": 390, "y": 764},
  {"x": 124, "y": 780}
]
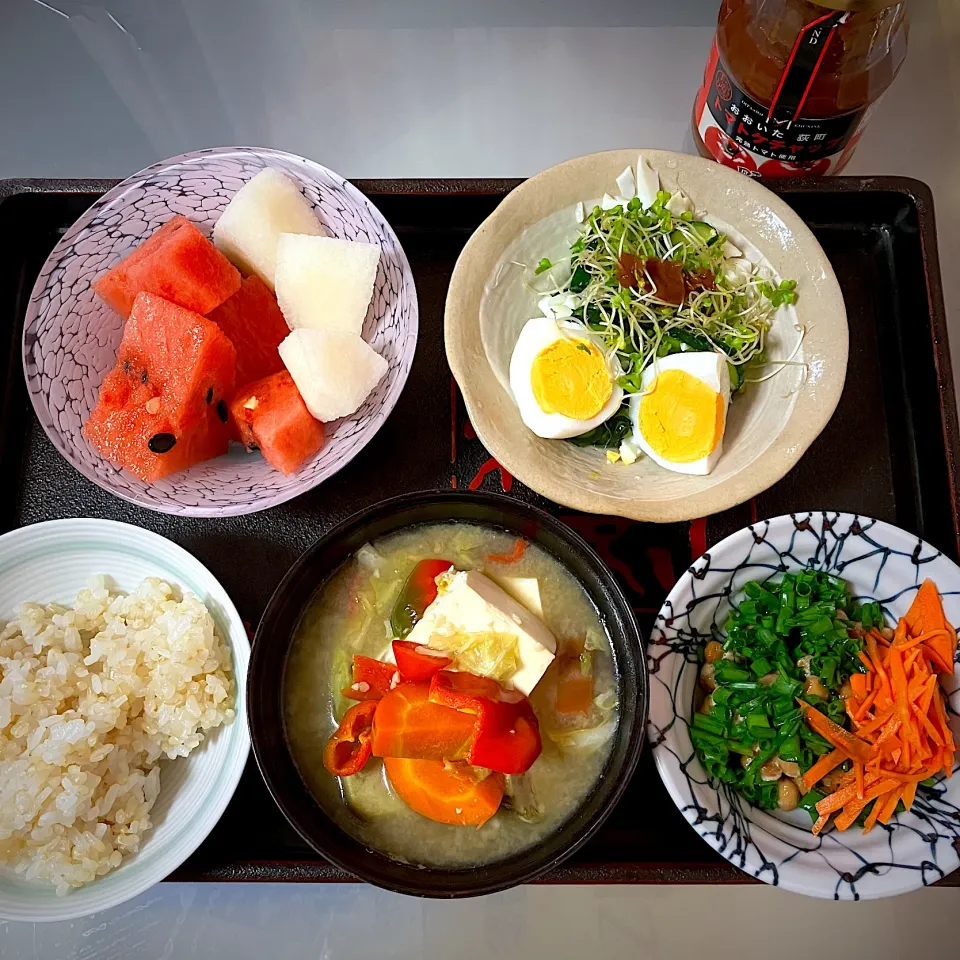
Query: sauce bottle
[{"x": 790, "y": 84}]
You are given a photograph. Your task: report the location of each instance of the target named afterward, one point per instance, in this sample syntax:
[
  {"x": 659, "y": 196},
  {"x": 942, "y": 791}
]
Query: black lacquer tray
[{"x": 891, "y": 451}]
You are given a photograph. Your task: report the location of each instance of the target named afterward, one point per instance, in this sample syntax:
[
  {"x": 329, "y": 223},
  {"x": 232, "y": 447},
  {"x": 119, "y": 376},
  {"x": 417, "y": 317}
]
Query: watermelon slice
[
  {"x": 177, "y": 263},
  {"x": 163, "y": 406},
  {"x": 253, "y": 322},
  {"x": 270, "y": 416}
]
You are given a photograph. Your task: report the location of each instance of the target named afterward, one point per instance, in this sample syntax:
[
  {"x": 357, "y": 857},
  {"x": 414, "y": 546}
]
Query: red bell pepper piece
[
  {"x": 371, "y": 679},
  {"x": 454, "y": 688},
  {"x": 349, "y": 748},
  {"x": 506, "y": 732},
  {"x": 415, "y": 662},
  {"x": 417, "y": 594}
]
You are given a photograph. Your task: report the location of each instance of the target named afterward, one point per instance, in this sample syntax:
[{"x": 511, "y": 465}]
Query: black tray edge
[
  {"x": 300, "y": 871},
  {"x": 304, "y": 871}
]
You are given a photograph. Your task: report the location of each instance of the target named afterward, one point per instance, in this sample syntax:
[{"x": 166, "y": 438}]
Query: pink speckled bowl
[{"x": 70, "y": 337}]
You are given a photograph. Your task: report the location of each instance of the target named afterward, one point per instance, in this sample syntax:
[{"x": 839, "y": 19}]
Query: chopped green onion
[{"x": 781, "y": 632}]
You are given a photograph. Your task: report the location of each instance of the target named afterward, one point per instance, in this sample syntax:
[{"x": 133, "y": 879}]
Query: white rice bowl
[
  {"x": 86, "y": 775},
  {"x": 91, "y": 697}
]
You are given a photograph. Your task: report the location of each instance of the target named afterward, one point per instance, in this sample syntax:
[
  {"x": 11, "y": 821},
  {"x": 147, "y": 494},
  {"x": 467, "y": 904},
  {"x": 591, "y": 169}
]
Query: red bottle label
[{"x": 776, "y": 140}]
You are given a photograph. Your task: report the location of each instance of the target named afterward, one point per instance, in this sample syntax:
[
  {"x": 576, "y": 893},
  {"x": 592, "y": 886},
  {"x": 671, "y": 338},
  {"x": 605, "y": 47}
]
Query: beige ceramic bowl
[{"x": 769, "y": 426}]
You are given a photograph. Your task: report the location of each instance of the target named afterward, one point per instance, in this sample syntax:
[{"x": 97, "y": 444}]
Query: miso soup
[{"x": 574, "y": 700}]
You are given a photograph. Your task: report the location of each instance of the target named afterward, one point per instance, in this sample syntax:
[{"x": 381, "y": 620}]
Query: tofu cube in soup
[{"x": 471, "y": 604}]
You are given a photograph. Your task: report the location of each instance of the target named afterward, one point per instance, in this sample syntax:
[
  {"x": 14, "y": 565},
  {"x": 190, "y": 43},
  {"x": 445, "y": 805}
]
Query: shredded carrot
[
  {"x": 849, "y": 814},
  {"x": 927, "y": 695},
  {"x": 837, "y": 800},
  {"x": 871, "y": 818},
  {"x": 874, "y": 655},
  {"x": 822, "y": 767},
  {"x": 890, "y": 802},
  {"x": 519, "y": 548},
  {"x": 875, "y": 723},
  {"x": 899, "y": 715},
  {"x": 859, "y": 684},
  {"x": 929, "y": 727},
  {"x": 835, "y": 734},
  {"x": 866, "y": 705}
]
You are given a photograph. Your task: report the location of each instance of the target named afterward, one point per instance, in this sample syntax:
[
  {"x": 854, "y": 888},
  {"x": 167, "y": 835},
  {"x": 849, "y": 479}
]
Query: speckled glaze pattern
[
  {"x": 70, "y": 337},
  {"x": 879, "y": 562}
]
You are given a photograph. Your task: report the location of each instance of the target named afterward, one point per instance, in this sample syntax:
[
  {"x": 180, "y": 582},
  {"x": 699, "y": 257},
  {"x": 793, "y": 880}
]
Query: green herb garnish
[
  {"x": 608, "y": 435},
  {"x": 784, "y": 293},
  {"x": 543, "y": 266}
]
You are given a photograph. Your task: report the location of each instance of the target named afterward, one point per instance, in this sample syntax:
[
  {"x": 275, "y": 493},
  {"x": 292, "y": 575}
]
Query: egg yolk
[
  {"x": 570, "y": 377},
  {"x": 681, "y": 417}
]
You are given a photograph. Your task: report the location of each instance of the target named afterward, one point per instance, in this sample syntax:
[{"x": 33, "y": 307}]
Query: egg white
[
  {"x": 536, "y": 335},
  {"x": 707, "y": 366}
]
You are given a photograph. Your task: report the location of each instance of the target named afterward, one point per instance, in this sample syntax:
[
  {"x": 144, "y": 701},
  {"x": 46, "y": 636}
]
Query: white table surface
[{"x": 438, "y": 88}]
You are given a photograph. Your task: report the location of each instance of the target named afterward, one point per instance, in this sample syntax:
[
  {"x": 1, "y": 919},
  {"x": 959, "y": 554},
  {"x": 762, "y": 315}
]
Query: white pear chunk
[
  {"x": 334, "y": 372},
  {"x": 250, "y": 225},
  {"x": 325, "y": 283}
]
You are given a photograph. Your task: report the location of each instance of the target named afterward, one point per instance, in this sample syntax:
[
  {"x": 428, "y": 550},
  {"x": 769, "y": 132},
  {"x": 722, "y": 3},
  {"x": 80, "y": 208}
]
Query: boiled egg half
[
  {"x": 562, "y": 381},
  {"x": 680, "y": 413}
]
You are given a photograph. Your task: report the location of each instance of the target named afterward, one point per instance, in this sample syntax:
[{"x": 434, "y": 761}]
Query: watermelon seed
[
  {"x": 144, "y": 377},
  {"x": 210, "y": 396},
  {"x": 127, "y": 366},
  {"x": 222, "y": 411},
  {"x": 153, "y": 405},
  {"x": 162, "y": 442}
]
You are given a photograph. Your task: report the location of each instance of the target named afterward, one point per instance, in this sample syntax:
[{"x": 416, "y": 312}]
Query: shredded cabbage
[
  {"x": 589, "y": 739},
  {"x": 605, "y": 701},
  {"x": 595, "y": 640},
  {"x": 521, "y": 798},
  {"x": 341, "y": 673},
  {"x": 369, "y": 558},
  {"x": 494, "y": 655}
]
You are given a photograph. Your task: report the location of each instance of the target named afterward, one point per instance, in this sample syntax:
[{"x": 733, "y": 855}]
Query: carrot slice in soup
[
  {"x": 445, "y": 792},
  {"x": 407, "y": 724}
]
